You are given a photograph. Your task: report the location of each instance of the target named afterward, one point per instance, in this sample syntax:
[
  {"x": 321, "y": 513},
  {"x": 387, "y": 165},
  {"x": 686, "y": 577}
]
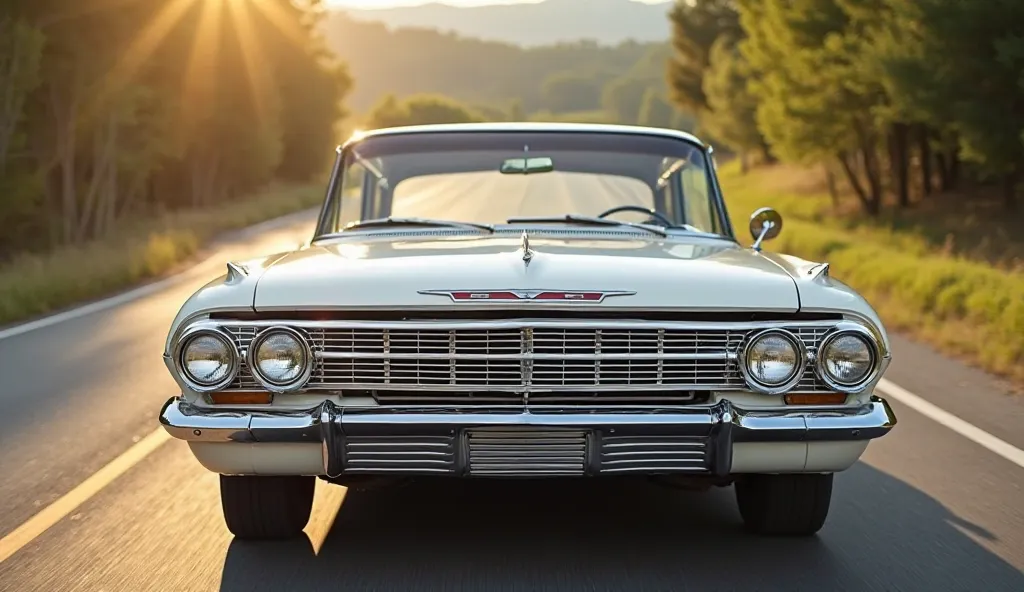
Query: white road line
[
  {"x": 50, "y": 515},
  {"x": 939, "y": 415}
]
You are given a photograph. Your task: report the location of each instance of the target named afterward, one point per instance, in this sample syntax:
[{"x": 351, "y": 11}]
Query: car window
[
  {"x": 349, "y": 195},
  {"x": 487, "y": 197},
  {"x": 696, "y": 198}
]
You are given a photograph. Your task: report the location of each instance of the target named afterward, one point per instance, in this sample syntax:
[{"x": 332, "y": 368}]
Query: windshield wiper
[
  {"x": 391, "y": 221},
  {"x": 578, "y": 219}
]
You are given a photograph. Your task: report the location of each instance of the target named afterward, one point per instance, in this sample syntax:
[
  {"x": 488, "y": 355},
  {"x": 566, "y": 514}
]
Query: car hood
[{"x": 691, "y": 274}]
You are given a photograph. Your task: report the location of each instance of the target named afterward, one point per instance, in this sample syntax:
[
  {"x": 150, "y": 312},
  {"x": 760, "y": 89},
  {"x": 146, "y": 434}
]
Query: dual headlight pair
[
  {"x": 773, "y": 361},
  {"x": 279, "y": 358}
]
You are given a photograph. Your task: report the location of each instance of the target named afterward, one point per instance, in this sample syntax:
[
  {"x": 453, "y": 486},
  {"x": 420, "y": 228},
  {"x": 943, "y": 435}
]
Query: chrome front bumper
[{"x": 511, "y": 441}]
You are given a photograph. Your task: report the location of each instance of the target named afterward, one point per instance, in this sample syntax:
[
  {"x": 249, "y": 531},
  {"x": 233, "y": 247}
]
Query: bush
[{"x": 32, "y": 285}]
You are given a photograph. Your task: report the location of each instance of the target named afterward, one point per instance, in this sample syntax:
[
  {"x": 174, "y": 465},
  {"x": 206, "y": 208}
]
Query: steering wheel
[{"x": 655, "y": 215}]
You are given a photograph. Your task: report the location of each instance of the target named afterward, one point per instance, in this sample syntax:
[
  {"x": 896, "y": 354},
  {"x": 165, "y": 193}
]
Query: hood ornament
[{"x": 527, "y": 253}]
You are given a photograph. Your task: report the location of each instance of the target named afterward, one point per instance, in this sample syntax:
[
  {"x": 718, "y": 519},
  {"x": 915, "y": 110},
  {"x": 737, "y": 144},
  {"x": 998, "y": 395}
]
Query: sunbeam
[
  {"x": 200, "y": 74},
  {"x": 277, "y": 17},
  {"x": 251, "y": 54},
  {"x": 143, "y": 46}
]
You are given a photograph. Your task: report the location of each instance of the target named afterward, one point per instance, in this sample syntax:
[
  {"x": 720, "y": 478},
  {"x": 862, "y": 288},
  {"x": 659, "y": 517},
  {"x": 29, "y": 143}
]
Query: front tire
[
  {"x": 266, "y": 507},
  {"x": 784, "y": 505}
]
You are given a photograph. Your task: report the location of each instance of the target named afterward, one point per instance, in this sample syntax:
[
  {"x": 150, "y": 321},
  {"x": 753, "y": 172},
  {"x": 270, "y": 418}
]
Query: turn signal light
[
  {"x": 240, "y": 398},
  {"x": 816, "y": 399}
]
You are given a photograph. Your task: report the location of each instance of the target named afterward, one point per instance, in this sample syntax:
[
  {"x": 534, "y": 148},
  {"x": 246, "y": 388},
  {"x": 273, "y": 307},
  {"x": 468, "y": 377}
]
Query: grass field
[
  {"x": 141, "y": 249},
  {"x": 954, "y": 284}
]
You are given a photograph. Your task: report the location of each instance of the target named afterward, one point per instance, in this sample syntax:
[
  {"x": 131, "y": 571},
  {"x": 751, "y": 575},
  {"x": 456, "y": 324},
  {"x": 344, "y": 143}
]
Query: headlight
[
  {"x": 846, "y": 359},
  {"x": 206, "y": 359},
  {"x": 773, "y": 361},
  {"x": 280, "y": 359}
]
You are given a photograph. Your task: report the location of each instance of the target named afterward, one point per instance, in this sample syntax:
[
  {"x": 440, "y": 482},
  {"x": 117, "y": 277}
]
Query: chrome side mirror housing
[{"x": 765, "y": 224}]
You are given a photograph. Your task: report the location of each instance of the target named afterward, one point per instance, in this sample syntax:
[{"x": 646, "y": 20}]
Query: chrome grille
[
  {"x": 405, "y": 454},
  {"x": 411, "y": 357},
  {"x": 555, "y": 362},
  {"x": 636, "y": 357},
  {"x": 527, "y": 452},
  {"x": 664, "y": 454},
  {"x": 811, "y": 336}
]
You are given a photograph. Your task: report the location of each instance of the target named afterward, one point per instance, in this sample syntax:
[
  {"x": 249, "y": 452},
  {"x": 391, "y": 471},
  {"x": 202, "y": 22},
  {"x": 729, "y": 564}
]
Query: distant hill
[
  {"x": 609, "y": 22},
  {"x": 408, "y": 60}
]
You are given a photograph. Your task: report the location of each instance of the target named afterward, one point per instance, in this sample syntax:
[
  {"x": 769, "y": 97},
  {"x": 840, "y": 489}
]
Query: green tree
[
  {"x": 515, "y": 111},
  {"x": 683, "y": 120},
  {"x": 816, "y": 101},
  {"x": 422, "y": 109},
  {"x": 569, "y": 91},
  {"x": 623, "y": 97},
  {"x": 731, "y": 112},
  {"x": 108, "y": 109},
  {"x": 310, "y": 75},
  {"x": 958, "y": 65},
  {"x": 695, "y": 28},
  {"x": 655, "y": 111},
  {"x": 21, "y": 49}
]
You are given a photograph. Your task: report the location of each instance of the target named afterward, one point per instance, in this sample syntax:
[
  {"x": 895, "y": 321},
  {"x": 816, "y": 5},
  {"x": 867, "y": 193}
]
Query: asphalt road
[{"x": 926, "y": 508}]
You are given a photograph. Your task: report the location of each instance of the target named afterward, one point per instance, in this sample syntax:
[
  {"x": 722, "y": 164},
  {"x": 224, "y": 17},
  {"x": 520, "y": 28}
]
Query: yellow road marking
[{"x": 50, "y": 515}]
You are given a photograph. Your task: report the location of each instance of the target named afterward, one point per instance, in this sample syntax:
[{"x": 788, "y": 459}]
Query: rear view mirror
[{"x": 526, "y": 166}]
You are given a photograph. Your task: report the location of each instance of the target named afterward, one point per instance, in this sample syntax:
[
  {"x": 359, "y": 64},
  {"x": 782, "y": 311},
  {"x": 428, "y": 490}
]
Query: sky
[{"x": 394, "y": 3}]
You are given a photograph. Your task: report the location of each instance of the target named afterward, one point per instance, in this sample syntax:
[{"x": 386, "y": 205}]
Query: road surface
[{"x": 928, "y": 508}]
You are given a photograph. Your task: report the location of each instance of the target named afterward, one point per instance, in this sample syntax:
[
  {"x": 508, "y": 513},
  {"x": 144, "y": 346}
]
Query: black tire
[
  {"x": 784, "y": 505},
  {"x": 266, "y": 507}
]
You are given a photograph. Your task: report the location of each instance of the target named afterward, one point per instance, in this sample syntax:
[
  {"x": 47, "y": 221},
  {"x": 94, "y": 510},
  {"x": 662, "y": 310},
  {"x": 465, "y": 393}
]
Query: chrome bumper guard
[{"x": 513, "y": 442}]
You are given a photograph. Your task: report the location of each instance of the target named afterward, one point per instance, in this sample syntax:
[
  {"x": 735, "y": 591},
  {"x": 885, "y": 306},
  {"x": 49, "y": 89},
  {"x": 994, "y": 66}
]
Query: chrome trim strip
[
  {"x": 526, "y": 386},
  {"x": 524, "y": 356},
  {"x": 445, "y": 325},
  {"x": 556, "y": 305},
  {"x": 863, "y": 422}
]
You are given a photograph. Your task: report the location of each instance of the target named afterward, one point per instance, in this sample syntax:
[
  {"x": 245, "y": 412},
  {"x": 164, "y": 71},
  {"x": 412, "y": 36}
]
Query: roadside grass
[
  {"x": 141, "y": 249},
  {"x": 963, "y": 305}
]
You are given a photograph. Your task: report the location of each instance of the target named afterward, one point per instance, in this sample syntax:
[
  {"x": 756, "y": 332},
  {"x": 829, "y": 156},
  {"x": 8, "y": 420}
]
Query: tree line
[
  {"x": 897, "y": 96},
  {"x": 113, "y": 108}
]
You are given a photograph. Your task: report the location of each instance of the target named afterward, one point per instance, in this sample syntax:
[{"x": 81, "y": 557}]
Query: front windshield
[{"x": 490, "y": 178}]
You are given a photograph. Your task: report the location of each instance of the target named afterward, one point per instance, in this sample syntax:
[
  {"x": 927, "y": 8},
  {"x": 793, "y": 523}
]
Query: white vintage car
[{"x": 475, "y": 302}]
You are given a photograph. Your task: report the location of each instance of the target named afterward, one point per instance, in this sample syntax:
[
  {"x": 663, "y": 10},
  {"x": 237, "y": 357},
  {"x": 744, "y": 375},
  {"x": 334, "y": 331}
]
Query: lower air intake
[
  {"x": 653, "y": 454},
  {"x": 526, "y": 452}
]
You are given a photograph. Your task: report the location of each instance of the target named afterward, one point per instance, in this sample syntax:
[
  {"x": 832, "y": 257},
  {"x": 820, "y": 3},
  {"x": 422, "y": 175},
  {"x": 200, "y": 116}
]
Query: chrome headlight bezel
[
  {"x": 271, "y": 385},
  {"x": 865, "y": 335},
  {"x": 185, "y": 338},
  {"x": 798, "y": 370}
]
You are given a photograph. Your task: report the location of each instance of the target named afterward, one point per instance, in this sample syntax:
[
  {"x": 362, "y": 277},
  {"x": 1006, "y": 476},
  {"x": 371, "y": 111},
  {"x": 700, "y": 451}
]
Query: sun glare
[{"x": 201, "y": 75}]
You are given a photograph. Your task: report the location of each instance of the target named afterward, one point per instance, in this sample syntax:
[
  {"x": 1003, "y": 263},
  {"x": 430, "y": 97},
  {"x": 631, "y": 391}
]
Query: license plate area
[{"x": 526, "y": 452}]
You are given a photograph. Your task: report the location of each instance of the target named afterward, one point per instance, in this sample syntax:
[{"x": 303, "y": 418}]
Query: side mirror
[{"x": 765, "y": 224}]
